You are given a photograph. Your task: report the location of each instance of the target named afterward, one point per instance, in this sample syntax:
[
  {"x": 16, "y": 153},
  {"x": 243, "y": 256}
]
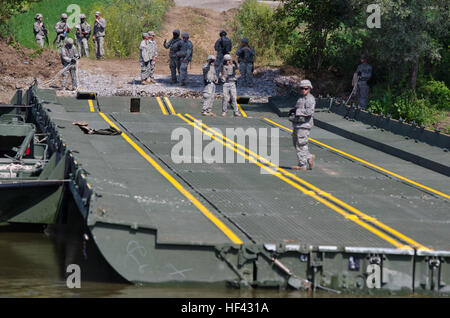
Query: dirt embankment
[{"x": 18, "y": 67}]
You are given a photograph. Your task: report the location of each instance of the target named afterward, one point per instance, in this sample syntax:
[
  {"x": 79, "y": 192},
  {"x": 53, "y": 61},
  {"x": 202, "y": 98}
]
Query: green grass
[{"x": 22, "y": 25}]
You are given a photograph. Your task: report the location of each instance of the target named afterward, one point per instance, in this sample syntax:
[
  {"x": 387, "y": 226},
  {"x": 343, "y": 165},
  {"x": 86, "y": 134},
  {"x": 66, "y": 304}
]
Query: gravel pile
[{"x": 106, "y": 85}]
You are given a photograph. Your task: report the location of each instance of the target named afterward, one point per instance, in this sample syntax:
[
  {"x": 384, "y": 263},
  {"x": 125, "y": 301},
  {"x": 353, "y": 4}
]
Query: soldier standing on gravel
[
  {"x": 144, "y": 59},
  {"x": 364, "y": 73},
  {"x": 222, "y": 46},
  {"x": 153, "y": 54},
  {"x": 69, "y": 56},
  {"x": 99, "y": 36},
  {"x": 185, "y": 55},
  {"x": 61, "y": 29},
  {"x": 39, "y": 30},
  {"x": 302, "y": 121},
  {"x": 174, "y": 45},
  {"x": 83, "y": 34},
  {"x": 210, "y": 80},
  {"x": 246, "y": 56},
  {"x": 228, "y": 77}
]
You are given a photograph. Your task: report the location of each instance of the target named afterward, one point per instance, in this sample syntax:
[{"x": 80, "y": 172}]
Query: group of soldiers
[
  {"x": 218, "y": 69},
  {"x": 82, "y": 30}
]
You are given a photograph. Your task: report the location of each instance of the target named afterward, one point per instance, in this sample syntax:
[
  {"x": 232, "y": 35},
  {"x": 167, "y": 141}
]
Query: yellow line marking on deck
[
  {"x": 169, "y": 104},
  {"x": 91, "y": 106},
  {"x": 161, "y": 105},
  {"x": 229, "y": 233},
  {"x": 241, "y": 110},
  {"x": 368, "y": 163}
]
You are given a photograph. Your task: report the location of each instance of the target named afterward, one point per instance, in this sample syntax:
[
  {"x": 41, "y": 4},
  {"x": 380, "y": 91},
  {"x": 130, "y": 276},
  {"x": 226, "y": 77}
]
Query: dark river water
[{"x": 30, "y": 267}]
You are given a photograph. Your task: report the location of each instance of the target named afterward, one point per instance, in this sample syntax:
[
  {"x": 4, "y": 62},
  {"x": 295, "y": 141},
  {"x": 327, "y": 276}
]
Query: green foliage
[
  {"x": 256, "y": 21},
  {"x": 21, "y": 25},
  {"x": 127, "y": 20},
  {"x": 428, "y": 105},
  {"x": 8, "y": 9}
]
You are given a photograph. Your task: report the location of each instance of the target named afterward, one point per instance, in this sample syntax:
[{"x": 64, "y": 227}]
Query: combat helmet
[
  {"x": 185, "y": 35},
  {"x": 38, "y": 16},
  {"x": 63, "y": 16},
  {"x": 227, "y": 57},
  {"x": 306, "y": 83}
]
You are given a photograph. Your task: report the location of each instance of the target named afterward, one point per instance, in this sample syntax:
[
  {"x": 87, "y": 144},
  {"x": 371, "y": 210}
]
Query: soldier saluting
[{"x": 174, "y": 45}]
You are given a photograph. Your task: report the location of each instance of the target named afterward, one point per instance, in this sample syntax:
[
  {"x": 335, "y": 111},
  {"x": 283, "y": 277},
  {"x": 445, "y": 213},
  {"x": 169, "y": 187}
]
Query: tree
[
  {"x": 408, "y": 33},
  {"x": 320, "y": 18},
  {"x": 8, "y": 9}
]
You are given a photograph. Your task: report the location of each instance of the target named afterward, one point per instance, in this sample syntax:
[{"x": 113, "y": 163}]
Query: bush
[
  {"x": 127, "y": 20},
  {"x": 437, "y": 93},
  {"x": 256, "y": 22}
]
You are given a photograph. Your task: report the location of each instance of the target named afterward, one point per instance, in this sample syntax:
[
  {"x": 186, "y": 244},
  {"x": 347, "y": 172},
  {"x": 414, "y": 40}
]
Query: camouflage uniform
[
  {"x": 149, "y": 52},
  {"x": 246, "y": 57},
  {"x": 175, "y": 45},
  {"x": 185, "y": 55},
  {"x": 99, "y": 33},
  {"x": 68, "y": 55},
  {"x": 83, "y": 35},
  {"x": 61, "y": 29},
  {"x": 364, "y": 72},
  {"x": 302, "y": 122},
  {"x": 153, "y": 53},
  {"x": 39, "y": 32},
  {"x": 210, "y": 79},
  {"x": 222, "y": 46},
  {"x": 228, "y": 77}
]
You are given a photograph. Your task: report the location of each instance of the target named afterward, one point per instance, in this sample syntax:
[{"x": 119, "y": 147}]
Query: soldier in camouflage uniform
[
  {"x": 99, "y": 36},
  {"x": 174, "y": 45},
  {"x": 153, "y": 54},
  {"x": 246, "y": 57},
  {"x": 83, "y": 34},
  {"x": 144, "y": 59},
  {"x": 222, "y": 46},
  {"x": 39, "y": 30},
  {"x": 61, "y": 29},
  {"x": 364, "y": 73},
  {"x": 302, "y": 121},
  {"x": 228, "y": 77},
  {"x": 185, "y": 55},
  {"x": 69, "y": 56},
  {"x": 210, "y": 80}
]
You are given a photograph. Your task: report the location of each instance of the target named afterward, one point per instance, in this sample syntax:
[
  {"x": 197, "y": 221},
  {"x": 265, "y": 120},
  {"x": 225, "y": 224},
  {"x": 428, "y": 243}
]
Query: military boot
[
  {"x": 311, "y": 162},
  {"x": 300, "y": 168}
]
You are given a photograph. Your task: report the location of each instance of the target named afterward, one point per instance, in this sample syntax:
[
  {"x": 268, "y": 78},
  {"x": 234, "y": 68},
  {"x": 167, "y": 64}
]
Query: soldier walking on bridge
[
  {"x": 228, "y": 77},
  {"x": 246, "y": 57},
  {"x": 210, "y": 80},
  {"x": 302, "y": 121},
  {"x": 69, "y": 56},
  {"x": 99, "y": 36},
  {"x": 222, "y": 46},
  {"x": 39, "y": 30},
  {"x": 174, "y": 45},
  {"x": 61, "y": 29},
  {"x": 185, "y": 55},
  {"x": 363, "y": 73},
  {"x": 83, "y": 33}
]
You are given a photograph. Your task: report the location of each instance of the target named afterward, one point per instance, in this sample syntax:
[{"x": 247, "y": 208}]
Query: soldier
[
  {"x": 363, "y": 73},
  {"x": 61, "y": 29},
  {"x": 144, "y": 59},
  {"x": 99, "y": 36},
  {"x": 69, "y": 56},
  {"x": 222, "y": 46},
  {"x": 246, "y": 56},
  {"x": 210, "y": 80},
  {"x": 185, "y": 55},
  {"x": 174, "y": 45},
  {"x": 39, "y": 30},
  {"x": 228, "y": 77},
  {"x": 83, "y": 34},
  {"x": 302, "y": 121},
  {"x": 153, "y": 54}
]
